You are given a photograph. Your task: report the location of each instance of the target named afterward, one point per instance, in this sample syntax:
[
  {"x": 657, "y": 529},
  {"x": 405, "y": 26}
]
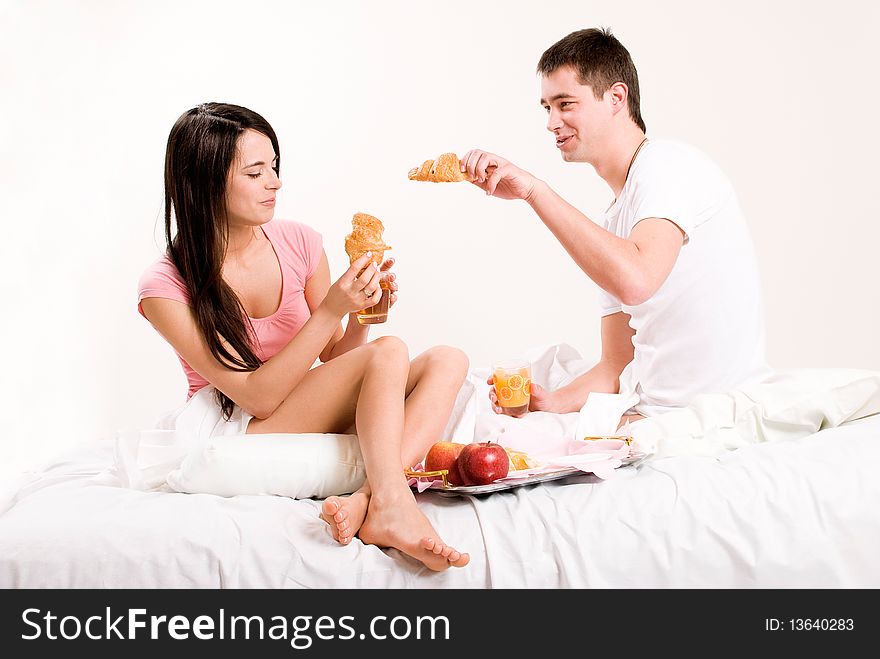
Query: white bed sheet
[{"x": 785, "y": 514}]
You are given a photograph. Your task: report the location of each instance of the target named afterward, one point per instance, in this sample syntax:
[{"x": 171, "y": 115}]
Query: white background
[{"x": 783, "y": 95}]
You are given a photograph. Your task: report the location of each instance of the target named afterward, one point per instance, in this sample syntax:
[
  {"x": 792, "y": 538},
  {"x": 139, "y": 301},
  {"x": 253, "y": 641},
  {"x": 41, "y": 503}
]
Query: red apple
[
  {"x": 481, "y": 463},
  {"x": 444, "y": 455}
]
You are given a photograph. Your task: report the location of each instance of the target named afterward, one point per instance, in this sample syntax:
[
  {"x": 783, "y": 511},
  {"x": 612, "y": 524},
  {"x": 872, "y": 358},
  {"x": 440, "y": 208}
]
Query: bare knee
[
  {"x": 448, "y": 359},
  {"x": 391, "y": 350}
]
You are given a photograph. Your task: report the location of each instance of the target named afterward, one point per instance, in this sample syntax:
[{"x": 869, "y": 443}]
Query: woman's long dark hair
[{"x": 202, "y": 147}]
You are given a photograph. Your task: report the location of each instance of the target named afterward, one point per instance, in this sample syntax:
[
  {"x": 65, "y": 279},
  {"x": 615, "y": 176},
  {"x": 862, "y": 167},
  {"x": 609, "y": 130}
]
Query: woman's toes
[
  {"x": 433, "y": 545},
  {"x": 331, "y": 506},
  {"x": 449, "y": 553}
]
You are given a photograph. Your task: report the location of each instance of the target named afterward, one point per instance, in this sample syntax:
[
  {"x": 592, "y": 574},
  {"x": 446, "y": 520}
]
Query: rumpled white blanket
[{"x": 786, "y": 405}]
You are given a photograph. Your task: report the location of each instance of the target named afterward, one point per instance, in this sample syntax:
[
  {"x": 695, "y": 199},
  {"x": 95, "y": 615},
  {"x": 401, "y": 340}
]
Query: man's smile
[{"x": 562, "y": 140}]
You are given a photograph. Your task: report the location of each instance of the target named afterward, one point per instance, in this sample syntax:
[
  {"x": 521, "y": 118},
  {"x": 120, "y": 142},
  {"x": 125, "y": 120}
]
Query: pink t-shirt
[{"x": 298, "y": 248}]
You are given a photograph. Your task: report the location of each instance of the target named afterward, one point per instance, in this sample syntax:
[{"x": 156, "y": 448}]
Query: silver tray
[{"x": 500, "y": 486}]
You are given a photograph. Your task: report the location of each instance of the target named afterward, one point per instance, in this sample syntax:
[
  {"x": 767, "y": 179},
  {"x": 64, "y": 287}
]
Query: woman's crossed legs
[{"x": 398, "y": 409}]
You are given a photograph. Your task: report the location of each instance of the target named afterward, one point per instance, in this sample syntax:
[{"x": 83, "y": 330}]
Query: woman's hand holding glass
[
  {"x": 391, "y": 278},
  {"x": 352, "y": 292}
]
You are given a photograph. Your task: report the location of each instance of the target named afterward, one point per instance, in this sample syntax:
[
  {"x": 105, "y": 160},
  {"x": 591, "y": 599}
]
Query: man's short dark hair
[{"x": 600, "y": 60}]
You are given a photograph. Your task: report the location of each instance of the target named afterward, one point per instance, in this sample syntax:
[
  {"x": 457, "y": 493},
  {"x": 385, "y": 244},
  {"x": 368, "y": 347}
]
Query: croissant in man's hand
[{"x": 446, "y": 169}]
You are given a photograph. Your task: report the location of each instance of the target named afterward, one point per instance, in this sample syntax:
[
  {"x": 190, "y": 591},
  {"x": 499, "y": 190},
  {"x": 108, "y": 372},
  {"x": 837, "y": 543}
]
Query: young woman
[{"x": 247, "y": 304}]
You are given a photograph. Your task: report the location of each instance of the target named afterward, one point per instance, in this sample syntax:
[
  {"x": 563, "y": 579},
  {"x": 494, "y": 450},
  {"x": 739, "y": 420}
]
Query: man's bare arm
[
  {"x": 617, "y": 352},
  {"x": 631, "y": 269}
]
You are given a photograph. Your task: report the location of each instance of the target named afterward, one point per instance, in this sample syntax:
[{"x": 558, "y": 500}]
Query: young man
[{"x": 681, "y": 297}]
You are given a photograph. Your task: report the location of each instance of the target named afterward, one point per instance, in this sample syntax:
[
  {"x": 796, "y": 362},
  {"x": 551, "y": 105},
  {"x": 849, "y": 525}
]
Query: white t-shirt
[{"x": 703, "y": 330}]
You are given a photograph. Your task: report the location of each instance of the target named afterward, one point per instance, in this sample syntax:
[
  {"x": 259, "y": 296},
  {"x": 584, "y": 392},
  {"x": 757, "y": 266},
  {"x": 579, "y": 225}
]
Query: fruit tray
[
  {"x": 507, "y": 483},
  {"x": 501, "y": 485}
]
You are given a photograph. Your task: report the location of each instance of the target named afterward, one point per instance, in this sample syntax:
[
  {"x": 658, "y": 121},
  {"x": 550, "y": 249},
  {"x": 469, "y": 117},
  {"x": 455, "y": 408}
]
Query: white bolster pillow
[{"x": 300, "y": 466}]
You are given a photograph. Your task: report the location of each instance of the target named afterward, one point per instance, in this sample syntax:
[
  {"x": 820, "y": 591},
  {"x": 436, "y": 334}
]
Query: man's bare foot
[
  {"x": 345, "y": 515},
  {"x": 399, "y": 523}
]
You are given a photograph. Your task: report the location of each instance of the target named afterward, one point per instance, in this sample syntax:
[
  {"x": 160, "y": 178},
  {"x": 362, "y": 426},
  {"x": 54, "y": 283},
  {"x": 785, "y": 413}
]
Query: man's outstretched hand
[{"x": 496, "y": 176}]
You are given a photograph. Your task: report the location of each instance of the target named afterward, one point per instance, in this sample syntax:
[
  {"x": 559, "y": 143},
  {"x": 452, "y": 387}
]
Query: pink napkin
[
  {"x": 601, "y": 464},
  {"x": 600, "y": 457}
]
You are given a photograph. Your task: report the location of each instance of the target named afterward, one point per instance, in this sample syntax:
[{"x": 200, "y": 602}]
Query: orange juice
[
  {"x": 378, "y": 313},
  {"x": 512, "y": 386}
]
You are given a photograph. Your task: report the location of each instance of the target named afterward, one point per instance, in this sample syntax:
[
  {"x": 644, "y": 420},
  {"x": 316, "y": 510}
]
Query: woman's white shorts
[{"x": 201, "y": 417}]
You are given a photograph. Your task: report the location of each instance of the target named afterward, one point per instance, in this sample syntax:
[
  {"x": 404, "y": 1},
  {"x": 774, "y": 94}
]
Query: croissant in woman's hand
[{"x": 366, "y": 235}]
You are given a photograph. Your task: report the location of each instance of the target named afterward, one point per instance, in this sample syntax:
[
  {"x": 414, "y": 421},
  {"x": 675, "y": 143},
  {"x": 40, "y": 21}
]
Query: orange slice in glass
[
  {"x": 515, "y": 382},
  {"x": 505, "y": 394}
]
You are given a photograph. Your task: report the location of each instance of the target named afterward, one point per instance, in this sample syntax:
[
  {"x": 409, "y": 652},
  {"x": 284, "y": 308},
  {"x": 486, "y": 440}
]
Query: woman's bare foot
[
  {"x": 345, "y": 515},
  {"x": 399, "y": 523}
]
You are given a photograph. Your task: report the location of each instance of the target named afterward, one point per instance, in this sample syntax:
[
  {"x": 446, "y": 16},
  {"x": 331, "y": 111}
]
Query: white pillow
[{"x": 301, "y": 466}]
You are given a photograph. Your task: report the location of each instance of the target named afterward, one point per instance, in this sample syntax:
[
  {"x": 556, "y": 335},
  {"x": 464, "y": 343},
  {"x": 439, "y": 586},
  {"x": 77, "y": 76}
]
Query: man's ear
[{"x": 618, "y": 94}]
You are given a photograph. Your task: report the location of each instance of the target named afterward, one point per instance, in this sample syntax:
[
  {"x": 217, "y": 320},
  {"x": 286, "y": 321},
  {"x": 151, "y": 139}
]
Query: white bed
[{"x": 789, "y": 513}]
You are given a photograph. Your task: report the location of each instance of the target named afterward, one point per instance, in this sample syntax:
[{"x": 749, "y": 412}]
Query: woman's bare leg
[
  {"x": 367, "y": 386},
  {"x": 435, "y": 378}
]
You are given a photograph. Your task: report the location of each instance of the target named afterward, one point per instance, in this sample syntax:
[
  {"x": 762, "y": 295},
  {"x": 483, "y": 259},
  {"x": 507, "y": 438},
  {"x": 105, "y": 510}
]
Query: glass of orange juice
[
  {"x": 378, "y": 313},
  {"x": 513, "y": 379}
]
